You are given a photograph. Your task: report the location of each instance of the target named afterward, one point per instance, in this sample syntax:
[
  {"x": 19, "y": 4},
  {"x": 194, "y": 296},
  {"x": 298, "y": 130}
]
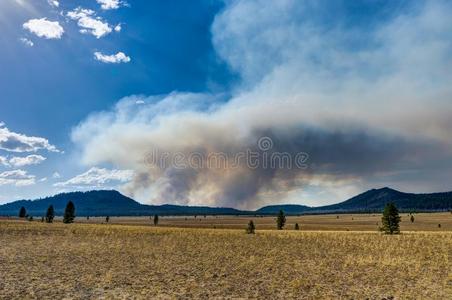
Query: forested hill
[{"x": 113, "y": 203}]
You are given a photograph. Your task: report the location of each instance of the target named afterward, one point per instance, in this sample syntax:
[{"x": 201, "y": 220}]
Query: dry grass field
[
  {"x": 343, "y": 222},
  {"x": 99, "y": 261}
]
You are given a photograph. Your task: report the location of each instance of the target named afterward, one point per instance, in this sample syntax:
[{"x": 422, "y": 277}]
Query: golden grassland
[
  {"x": 342, "y": 222},
  {"x": 92, "y": 261}
]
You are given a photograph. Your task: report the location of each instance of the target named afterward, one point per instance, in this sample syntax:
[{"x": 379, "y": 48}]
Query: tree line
[
  {"x": 390, "y": 219},
  {"x": 68, "y": 217}
]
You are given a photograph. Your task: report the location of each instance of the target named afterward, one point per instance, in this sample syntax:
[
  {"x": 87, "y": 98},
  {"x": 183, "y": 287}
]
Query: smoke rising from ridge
[{"x": 361, "y": 113}]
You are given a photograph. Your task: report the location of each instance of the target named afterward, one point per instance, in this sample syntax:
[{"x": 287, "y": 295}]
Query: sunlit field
[
  {"x": 341, "y": 222},
  {"x": 83, "y": 261}
]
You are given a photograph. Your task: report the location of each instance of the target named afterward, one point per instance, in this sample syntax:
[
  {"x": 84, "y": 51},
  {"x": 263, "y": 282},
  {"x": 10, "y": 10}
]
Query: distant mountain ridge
[
  {"x": 113, "y": 203},
  {"x": 105, "y": 203}
]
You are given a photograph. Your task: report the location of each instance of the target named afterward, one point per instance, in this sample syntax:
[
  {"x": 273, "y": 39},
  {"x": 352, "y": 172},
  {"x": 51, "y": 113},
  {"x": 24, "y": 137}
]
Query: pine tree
[
  {"x": 280, "y": 220},
  {"x": 412, "y": 219},
  {"x": 50, "y": 214},
  {"x": 22, "y": 212},
  {"x": 251, "y": 228},
  {"x": 390, "y": 219},
  {"x": 69, "y": 213},
  {"x": 107, "y": 219},
  {"x": 156, "y": 220},
  {"x": 297, "y": 227}
]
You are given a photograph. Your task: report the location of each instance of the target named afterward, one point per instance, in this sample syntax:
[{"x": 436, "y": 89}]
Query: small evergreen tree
[
  {"x": 297, "y": 227},
  {"x": 251, "y": 228},
  {"x": 69, "y": 213},
  {"x": 390, "y": 219},
  {"x": 42, "y": 219},
  {"x": 156, "y": 220},
  {"x": 50, "y": 215},
  {"x": 412, "y": 219},
  {"x": 22, "y": 212},
  {"x": 30, "y": 218},
  {"x": 280, "y": 220},
  {"x": 107, "y": 219}
]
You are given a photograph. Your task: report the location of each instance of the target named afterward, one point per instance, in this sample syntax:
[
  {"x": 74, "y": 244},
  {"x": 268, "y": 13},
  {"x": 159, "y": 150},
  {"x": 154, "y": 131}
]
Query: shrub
[
  {"x": 297, "y": 227},
  {"x": 107, "y": 219},
  {"x": 412, "y": 219},
  {"x": 156, "y": 220},
  {"x": 280, "y": 220},
  {"x": 69, "y": 213},
  {"x": 22, "y": 212},
  {"x": 390, "y": 219},
  {"x": 50, "y": 215},
  {"x": 251, "y": 228}
]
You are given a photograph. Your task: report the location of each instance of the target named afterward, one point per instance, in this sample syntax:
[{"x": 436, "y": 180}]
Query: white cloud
[
  {"x": 89, "y": 23},
  {"x": 44, "y": 28},
  {"x": 98, "y": 177},
  {"x": 117, "y": 58},
  {"x": 110, "y": 4},
  {"x": 4, "y": 161},
  {"x": 16, "y": 142},
  {"x": 17, "y": 178},
  {"x": 56, "y": 175},
  {"x": 53, "y": 3},
  {"x": 118, "y": 28},
  {"x": 27, "y": 42},
  {"x": 27, "y": 160}
]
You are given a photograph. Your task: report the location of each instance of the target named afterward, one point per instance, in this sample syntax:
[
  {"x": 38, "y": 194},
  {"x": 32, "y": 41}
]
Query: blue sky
[{"x": 325, "y": 77}]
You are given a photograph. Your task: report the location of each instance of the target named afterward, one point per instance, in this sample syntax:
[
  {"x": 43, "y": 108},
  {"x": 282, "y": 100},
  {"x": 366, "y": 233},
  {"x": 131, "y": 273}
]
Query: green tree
[
  {"x": 251, "y": 228},
  {"x": 22, "y": 212},
  {"x": 390, "y": 219},
  {"x": 280, "y": 220},
  {"x": 50, "y": 215},
  {"x": 412, "y": 219},
  {"x": 107, "y": 219},
  {"x": 156, "y": 220},
  {"x": 69, "y": 213},
  {"x": 297, "y": 227}
]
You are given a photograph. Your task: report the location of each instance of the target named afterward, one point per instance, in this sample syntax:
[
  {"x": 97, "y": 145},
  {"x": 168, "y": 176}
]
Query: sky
[{"x": 94, "y": 92}]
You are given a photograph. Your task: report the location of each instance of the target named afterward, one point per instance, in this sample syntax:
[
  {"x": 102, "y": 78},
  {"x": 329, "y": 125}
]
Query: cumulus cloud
[
  {"x": 17, "y": 178},
  {"x": 97, "y": 177},
  {"x": 367, "y": 114},
  {"x": 89, "y": 23},
  {"x": 44, "y": 28},
  {"x": 117, "y": 58},
  {"x": 17, "y": 142},
  {"x": 110, "y": 4},
  {"x": 27, "y": 42},
  {"x": 26, "y": 161}
]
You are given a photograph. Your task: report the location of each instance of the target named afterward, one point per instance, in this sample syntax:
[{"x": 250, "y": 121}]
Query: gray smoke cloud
[{"x": 366, "y": 115}]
